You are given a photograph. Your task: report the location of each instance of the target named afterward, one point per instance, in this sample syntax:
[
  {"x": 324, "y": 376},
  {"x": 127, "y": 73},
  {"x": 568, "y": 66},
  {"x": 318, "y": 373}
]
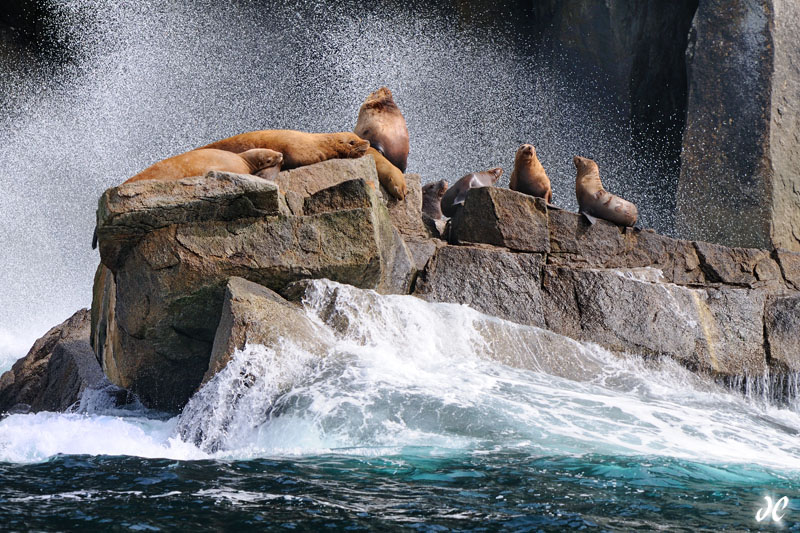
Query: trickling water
[{"x": 147, "y": 80}]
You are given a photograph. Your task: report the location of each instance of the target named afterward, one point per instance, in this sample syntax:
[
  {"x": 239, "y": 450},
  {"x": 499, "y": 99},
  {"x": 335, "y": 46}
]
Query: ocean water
[{"x": 414, "y": 416}]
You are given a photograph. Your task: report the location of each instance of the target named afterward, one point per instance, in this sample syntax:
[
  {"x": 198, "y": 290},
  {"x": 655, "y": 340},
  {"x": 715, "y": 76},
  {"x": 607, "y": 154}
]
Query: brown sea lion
[
  {"x": 595, "y": 201},
  {"x": 198, "y": 162},
  {"x": 455, "y": 195},
  {"x": 382, "y": 124},
  {"x": 298, "y": 147},
  {"x": 389, "y": 175},
  {"x": 432, "y": 198},
  {"x": 528, "y": 175}
]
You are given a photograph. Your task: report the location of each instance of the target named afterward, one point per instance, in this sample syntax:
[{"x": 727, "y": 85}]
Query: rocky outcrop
[
  {"x": 741, "y": 154},
  {"x": 170, "y": 248},
  {"x": 56, "y": 371},
  {"x": 712, "y": 308}
]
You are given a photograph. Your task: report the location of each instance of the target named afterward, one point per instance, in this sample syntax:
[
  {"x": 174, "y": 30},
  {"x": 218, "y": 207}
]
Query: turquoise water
[
  {"x": 425, "y": 489},
  {"x": 414, "y": 416}
]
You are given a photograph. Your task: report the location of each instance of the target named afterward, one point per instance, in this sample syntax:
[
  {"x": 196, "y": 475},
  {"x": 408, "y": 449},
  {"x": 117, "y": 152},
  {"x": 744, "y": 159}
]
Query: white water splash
[
  {"x": 398, "y": 372},
  {"x": 403, "y": 372}
]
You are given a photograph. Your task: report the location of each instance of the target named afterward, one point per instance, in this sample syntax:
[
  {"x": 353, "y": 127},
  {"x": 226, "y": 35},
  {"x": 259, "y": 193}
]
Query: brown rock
[
  {"x": 502, "y": 217},
  {"x": 168, "y": 288},
  {"x": 56, "y": 371},
  {"x": 406, "y": 214},
  {"x": 746, "y": 267},
  {"x": 128, "y": 212},
  {"x": 789, "y": 263}
]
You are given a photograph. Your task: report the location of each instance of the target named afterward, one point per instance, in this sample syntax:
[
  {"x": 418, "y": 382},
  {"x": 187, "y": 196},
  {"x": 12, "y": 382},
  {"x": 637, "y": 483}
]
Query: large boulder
[
  {"x": 502, "y": 217},
  {"x": 56, "y": 371},
  {"x": 740, "y": 172},
  {"x": 717, "y": 329},
  {"x": 160, "y": 301},
  {"x": 253, "y": 314}
]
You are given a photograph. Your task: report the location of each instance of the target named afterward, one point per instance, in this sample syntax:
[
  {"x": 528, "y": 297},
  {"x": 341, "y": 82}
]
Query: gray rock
[
  {"x": 254, "y": 314},
  {"x": 303, "y": 182},
  {"x": 56, "y": 371},
  {"x": 741, "y": 153},
  {"x": 782, "y": 327},
  {"x": 491, "y": 280},
  {"x": 717, "y": 330},
  {"x": 502, "y": 217}
]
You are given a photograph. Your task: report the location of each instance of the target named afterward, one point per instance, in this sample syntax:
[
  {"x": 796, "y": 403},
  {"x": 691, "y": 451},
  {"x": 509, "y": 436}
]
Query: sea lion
[
  {"x": 389, "y": 175},
  {"x": 383, "y": 125},
  {"x": 432, "y": 198},
  {"x": 198, "y": 162},
  {"x": 595, "y": 201},
  {"x": 298, "y": 147},
  {"x": 455, "y": 195},
  {"x": 528, "y": 175}
]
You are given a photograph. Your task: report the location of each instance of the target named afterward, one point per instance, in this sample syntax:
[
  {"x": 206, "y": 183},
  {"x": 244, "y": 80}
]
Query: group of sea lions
[
  {"x": 529, "y": 177},
  {"x": 381, "y": 132}
]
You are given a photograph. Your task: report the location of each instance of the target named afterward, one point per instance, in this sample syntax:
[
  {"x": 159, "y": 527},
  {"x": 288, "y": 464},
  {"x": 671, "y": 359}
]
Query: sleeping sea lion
[
  {"x": 298, "y": 147},
  {"x": 383, "y": 125},
  {"x": 528, "y": 175},
  {"x": 595, "y": 201},
  {"x": 432, "y": 198},
  {"x": 389, "y": 175},
  {"x": 198, "y": 162},
  {"x": 455, "y": 195}
]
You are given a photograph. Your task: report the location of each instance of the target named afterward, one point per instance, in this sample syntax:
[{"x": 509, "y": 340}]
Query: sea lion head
[
  {"x": 584, "y": 164},
  {"x": 379, "y": 100},
  {"x": 437, "y": 188},
  {"x": 526, "y": 152},
  {"x": 349, "y": 144},
  {"x": 496, "y": 173},
  {"x": 261, "y": 158}
]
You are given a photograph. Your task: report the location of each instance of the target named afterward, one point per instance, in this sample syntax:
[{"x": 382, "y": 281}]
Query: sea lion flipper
[
  {"x": 592, "y": 220},
  {"x": 94, "y": 238}
]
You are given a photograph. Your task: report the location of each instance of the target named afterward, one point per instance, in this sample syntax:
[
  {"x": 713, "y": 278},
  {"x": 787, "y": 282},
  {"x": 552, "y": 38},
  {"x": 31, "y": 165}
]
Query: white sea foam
[
  {"x": 398, "y": 373},
  {"x": 33, "y": 438}
]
